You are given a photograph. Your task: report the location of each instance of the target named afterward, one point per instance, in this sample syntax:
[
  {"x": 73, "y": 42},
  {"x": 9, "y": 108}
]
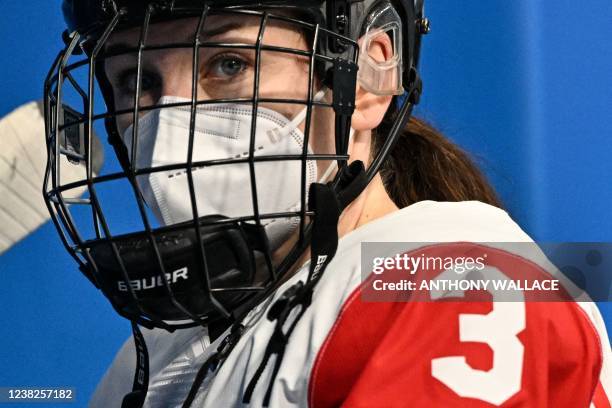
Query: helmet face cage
[{"x": 186, "y": 273}]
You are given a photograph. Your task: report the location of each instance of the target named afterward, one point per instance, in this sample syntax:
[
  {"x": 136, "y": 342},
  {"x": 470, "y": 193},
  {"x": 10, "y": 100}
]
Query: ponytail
[{"x": 425, "y": 165}]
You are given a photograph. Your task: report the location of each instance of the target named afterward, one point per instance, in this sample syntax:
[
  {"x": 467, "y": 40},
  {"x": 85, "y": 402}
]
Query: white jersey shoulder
[{"x": 176, "y": 357}]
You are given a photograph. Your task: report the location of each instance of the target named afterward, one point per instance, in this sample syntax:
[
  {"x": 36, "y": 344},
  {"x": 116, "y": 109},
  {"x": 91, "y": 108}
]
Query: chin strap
[
  {"x": 213, "y": 362},
  {"x": 136, "y": 398},
  {"x": 327, "y": 206}
]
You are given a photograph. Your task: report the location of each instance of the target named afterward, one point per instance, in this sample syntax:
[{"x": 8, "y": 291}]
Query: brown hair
[{"x": 425, "y": 165}]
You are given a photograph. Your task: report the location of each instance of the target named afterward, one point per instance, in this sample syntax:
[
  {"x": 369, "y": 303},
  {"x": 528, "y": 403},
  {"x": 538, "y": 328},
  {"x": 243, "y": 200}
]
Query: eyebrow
[
  {"x": 124, "y": 48},
  {"x": 223, "y": 28}
]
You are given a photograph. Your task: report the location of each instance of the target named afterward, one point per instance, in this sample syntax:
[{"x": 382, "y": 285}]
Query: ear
[{"x": 370, "y": 108}]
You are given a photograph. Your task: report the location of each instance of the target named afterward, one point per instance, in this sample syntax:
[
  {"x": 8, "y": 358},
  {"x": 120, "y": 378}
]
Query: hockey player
[{"x": 263, "y": 143}]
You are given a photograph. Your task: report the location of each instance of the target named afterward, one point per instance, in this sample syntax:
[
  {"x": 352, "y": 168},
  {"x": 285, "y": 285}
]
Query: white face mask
[{"x": 223, "y": 131}]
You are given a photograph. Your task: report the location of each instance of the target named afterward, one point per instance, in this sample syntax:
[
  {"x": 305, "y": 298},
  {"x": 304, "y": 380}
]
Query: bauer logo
[
  {"x": 320, "y": 262},
  {"x": 154, "y": 281}
]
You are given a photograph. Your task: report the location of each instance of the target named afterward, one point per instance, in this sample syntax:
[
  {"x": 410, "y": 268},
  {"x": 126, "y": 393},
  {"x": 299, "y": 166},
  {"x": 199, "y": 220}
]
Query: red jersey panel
[{"x": 459, "y": 353}]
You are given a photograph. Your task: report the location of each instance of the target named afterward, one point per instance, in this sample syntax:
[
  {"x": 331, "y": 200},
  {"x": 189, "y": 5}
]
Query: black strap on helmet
[{"x": 140, "y": 386}]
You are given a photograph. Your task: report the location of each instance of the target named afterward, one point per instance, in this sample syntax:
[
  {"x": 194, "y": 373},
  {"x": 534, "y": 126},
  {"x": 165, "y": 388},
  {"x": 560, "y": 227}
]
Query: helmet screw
[
  {"x": 423, "y": 25},
  {"x": 341, "y": 21},
  {"x": 109, "y": 6}
]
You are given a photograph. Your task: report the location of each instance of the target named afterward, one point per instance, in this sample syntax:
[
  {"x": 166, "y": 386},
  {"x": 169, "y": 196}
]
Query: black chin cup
[{"x": 234, "y": 254}]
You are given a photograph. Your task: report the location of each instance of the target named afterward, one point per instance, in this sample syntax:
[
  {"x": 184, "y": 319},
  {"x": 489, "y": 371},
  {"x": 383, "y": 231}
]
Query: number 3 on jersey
[{"x": 498, "y": 329}]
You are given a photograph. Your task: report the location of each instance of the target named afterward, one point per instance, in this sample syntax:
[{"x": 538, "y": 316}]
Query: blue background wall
[{"x": 526, "y": 86}]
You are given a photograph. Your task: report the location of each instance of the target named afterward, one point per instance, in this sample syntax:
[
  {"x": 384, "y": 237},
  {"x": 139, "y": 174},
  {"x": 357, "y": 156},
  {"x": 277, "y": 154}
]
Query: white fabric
[
  {"x": 417, "y": 225},
  {"x": 222, "y": 131}
]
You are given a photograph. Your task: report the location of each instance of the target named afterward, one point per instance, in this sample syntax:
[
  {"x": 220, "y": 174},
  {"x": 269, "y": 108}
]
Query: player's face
[{"x": 222, "y": 73}]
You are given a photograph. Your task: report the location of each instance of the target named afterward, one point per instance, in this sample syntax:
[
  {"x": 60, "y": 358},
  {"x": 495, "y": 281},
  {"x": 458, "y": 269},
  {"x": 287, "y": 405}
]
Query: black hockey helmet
[{"x": 188, "y": 273}]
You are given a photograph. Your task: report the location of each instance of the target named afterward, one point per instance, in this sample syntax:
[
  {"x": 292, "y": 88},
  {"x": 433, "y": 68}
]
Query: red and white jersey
[{"x": 351, "y": 353}]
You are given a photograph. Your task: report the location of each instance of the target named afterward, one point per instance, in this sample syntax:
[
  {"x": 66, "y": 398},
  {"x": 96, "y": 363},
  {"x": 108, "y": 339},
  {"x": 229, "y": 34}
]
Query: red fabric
[{"x": 379, "y": 354}]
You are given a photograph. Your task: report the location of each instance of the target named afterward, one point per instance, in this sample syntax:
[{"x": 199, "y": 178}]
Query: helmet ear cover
[{"x": 382, "y": 77}]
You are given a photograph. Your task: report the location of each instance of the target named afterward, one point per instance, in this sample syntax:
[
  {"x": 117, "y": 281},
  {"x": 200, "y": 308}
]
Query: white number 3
[{"x": 498, "y": 329}]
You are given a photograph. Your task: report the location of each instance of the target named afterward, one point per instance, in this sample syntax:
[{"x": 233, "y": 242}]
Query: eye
[
  {"x": 129, "y": 79},
  {"x": 226, "y": 66}
]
